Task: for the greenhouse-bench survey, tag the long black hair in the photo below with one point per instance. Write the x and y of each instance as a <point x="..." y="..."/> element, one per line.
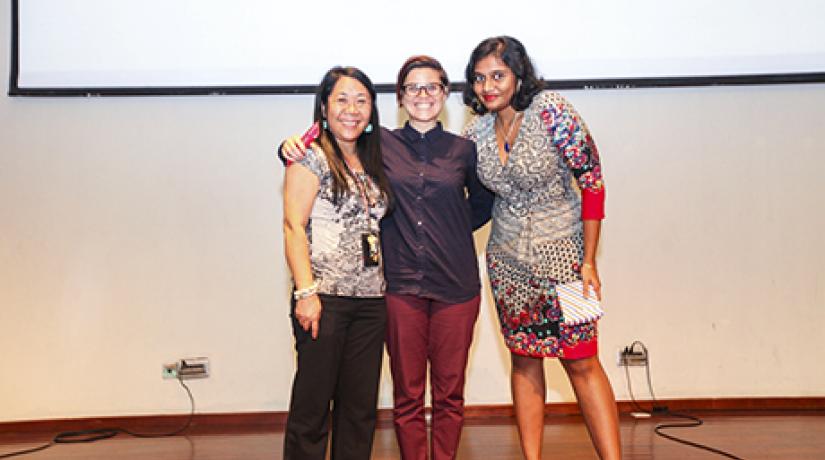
<point x="368" y="145"/>
<point x="512" y="53"/>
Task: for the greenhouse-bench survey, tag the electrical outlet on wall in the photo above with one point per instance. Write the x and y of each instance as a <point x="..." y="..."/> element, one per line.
<point x="629" y="356"/>
<point x="187" y="368"/>
<point x="194" y="368"/>
<point x="169" y="371"/>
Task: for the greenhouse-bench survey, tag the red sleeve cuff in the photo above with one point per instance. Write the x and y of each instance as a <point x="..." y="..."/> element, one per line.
<point x="593" y="204"/>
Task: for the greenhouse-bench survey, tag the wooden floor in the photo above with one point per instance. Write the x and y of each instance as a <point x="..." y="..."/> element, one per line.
<point x="772" y="436"/>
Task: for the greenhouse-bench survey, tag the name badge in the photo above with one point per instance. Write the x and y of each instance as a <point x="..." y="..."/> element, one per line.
<point x="371" y="247"/>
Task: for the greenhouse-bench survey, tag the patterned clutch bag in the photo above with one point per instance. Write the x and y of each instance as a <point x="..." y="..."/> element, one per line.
<point x="575" y="309"/>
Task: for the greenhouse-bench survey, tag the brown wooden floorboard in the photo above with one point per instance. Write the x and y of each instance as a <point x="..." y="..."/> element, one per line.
<point x="772" y="436"/>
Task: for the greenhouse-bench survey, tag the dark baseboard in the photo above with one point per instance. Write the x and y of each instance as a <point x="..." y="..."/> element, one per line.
<point x="766" y="405"/>
<point x="268" y="421"/>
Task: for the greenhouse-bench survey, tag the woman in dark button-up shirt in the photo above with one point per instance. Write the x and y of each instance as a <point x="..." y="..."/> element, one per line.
<point x="430" y="262"/>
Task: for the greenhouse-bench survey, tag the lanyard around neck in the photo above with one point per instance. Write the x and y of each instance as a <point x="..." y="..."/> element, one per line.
<point x="361" y="184"/>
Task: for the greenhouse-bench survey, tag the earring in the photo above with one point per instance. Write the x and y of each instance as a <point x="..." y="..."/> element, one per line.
<point x="368" y="129"/>
<point x="324" y="123"/>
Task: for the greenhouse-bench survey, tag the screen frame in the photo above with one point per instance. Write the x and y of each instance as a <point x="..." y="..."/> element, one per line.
<point x="569" y="84"/>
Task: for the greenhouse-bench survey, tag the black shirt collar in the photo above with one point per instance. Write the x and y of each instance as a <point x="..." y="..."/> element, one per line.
<point x="412" y="134"/>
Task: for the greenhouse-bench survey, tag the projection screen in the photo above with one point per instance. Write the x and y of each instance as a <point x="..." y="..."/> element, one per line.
<point x="146" y="47"/>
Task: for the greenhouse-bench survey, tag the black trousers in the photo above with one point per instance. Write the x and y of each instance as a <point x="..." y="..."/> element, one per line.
<point x="342" y="366"/>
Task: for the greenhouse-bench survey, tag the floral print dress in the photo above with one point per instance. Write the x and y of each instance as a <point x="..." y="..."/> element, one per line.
<point x="536" y="240"/>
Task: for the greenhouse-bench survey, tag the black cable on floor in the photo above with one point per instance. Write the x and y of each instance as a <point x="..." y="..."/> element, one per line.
<point x="27" y="451"/>
<point x="663" y="411"/>
<point x="84" y="436"/>
<point x="694" y="422"/>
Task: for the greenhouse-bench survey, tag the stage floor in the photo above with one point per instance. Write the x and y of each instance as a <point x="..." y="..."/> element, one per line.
<point x="752" y="436"/>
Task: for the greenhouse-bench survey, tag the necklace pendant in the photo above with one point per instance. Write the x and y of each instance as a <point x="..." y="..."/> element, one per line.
<point x="506" y="147"/>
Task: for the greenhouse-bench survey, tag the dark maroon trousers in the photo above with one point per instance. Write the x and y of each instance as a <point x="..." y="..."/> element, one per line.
<point x="419" y="331"/>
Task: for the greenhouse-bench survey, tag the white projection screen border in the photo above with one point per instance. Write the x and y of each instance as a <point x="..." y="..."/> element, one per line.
<point x="180" y="47"/>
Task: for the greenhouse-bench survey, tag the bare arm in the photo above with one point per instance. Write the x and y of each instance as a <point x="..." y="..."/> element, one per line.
<point x="300" y="190"/>
<point x="590" y="273"/>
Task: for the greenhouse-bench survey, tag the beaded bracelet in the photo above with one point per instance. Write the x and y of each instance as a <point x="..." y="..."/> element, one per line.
<point x="308" y="291"/>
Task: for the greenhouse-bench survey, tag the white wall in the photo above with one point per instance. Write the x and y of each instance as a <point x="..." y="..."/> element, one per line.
<point x="135" y="231"/>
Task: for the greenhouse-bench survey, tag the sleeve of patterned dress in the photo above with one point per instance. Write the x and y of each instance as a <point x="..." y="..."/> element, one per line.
<point x="572" y="139"/>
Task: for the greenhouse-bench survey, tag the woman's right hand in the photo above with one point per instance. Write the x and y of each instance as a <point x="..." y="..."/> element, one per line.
<point x="293" y="149"/>
<point x="308" y="314"/>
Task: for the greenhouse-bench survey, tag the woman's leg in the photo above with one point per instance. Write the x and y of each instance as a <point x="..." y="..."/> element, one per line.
<point x="356" y="391"/>
<point x="451" y="332"/>
<point x="407" y="335"/>
<point x="597" y="403"/>
<point x="529" y="394"/>
<point x="318" y="360"/>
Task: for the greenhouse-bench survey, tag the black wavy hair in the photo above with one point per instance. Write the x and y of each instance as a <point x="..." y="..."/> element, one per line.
<point x="418" y="62"/>
<point x="512" y="53"/>
<point x="368" y="145"/>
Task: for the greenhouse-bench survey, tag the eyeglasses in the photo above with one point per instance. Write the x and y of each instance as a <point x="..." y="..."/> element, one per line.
<point x="432" y="89"/>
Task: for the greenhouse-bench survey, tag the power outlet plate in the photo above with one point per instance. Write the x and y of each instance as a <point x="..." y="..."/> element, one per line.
<point x="627" y="357"/>
<point x="186" y="368"/>
<point x="194" y="368"/>
<point x="169" y="371"/>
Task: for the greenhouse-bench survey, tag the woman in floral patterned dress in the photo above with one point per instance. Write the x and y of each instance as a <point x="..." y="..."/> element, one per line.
<point x="532" y="146"/>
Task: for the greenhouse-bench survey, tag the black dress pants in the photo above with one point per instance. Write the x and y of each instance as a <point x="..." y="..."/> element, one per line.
<point x="342" y="367"/>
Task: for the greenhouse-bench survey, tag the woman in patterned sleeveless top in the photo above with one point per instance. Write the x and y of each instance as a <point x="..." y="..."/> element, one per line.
<point x="334" y="199"/>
